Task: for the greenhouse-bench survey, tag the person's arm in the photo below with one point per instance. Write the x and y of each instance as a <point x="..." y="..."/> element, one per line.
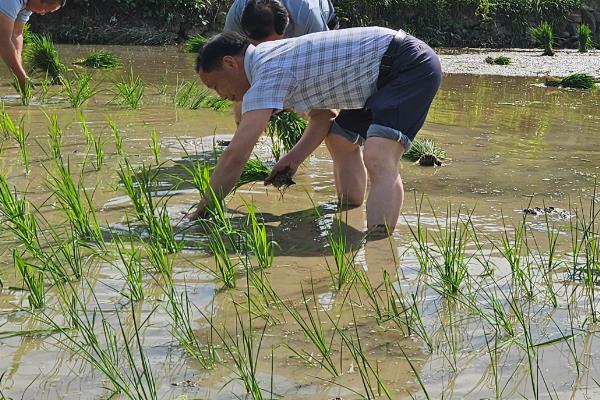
<point x="233" y="20"/>
<point x="17" y="38"/>
<point x="231" y="163"/>
<point x="314" y="21"/>
<point x="8" y="51"/>
<point x="319" y="124"/>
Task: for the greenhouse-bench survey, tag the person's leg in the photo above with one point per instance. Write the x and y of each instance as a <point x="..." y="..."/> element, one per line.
<point x="386" y="193"/>
<point x="348" y="169"/>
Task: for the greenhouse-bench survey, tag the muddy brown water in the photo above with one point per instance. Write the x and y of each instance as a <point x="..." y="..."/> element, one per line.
<point x="510" y="143"/>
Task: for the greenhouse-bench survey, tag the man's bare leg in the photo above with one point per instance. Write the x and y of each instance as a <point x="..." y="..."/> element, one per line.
<point x="349" y="170"/>
<point x="386" y="193"/>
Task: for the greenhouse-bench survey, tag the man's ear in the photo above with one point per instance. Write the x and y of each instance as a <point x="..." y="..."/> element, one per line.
<point x="230" y="62"/>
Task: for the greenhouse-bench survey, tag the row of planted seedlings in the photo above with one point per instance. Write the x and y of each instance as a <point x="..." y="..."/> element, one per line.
<point x="513" y="287"/>
<point x="77" y="86"/>
<point x="59" y="261"/>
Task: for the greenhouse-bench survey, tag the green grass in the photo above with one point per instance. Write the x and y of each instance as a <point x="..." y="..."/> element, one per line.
<point x="41" y="55"/>
<point x="584" y="36"/>
<point x="100" y="59"/>
<point x="195" y="43"/>
<point x="421" y="147"/>
<point x="543" y="34"/>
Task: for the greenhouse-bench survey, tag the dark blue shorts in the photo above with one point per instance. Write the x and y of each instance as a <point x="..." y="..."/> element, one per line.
<point x="399" y="107"/>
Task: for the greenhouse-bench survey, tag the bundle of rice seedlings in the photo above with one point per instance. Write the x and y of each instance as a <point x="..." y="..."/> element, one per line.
<point x="100" y="59"/>
<point x="254" y="171"/>
<point x="501" y="60"/>
<point x="26" y="34"/>
<point x="544" y="35"/>
<point x="195" y="43"/>
<point x="574" y="81"/>
<point x="421" y="147"/>
<point x="288" y="127"/>
<point x="41" y="55"/>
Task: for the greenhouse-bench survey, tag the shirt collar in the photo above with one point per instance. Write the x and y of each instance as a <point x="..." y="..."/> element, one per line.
<point x="248" y="62"/>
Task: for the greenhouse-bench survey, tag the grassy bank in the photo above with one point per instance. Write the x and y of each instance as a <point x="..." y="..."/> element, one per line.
<point x="440" y="22"/>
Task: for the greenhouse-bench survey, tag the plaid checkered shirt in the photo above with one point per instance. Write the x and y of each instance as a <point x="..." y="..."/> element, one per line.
<point x="335" y="69"/>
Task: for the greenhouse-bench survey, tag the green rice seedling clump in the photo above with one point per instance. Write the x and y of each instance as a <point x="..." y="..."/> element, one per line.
<point x="500" y="60"/>
<point x="100" y="59"/>
<point x="41" y="55"/>
<point x="34" y="281"/>
<point x="26" y="34"/>
<point x="130" y="91"/>
<point x="544" y="35"/>
<point x="195" y="43"/>
<point x="584" y="36"/>
<point x="189" y="95"/>
<point x="25" y="91"/>
<point x="79" y="90"/>
<point x="285" y="130"/>
<point x="421" y="147"/>
<point x="574" y="81"/>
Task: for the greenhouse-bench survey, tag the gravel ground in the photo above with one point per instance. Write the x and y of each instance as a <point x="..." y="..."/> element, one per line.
<point x="524" y="62"/>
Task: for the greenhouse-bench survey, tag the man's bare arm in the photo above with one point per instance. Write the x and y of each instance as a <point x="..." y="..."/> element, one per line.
<point x="231" y="162"/>
<point x="319" y="124"/>
<point x="9" y="53"/>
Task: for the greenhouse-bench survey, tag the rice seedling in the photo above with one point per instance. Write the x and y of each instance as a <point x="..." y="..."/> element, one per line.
<point x="195" y="43"/>
<point x="179" y="310"/>
<point x="422" y="147"/>
<point x="132" y="268"/>
<point x="117" y="135"/>
<point x="140" y="189"/>
<point x="16" y="215"/>
<point x="163" y="84"/>
<point x="285" y="128"/>
<point x="17" y="132"/>
<point x="313" y="329"/>
<point x="584" y="36"/>
<point x="26" y="34"/>
<point x="543" y="34"/>
<point x="41" y="55"/>
<point x="99" y="151"/>
<point x="258" y="240"/>
<point x="159" y="259"/>
<point x="55" y="135"/>
<point x="343" y="257"/>
<point x="130" y="91"/>
<point x="225" y="265"/>
<point x="116" y="354"/>
<point x="216" y="103"/>
<point x="100" y="59"/>
<point x="75" y="201"/>
<point x="500" y="60"/>
<point x="24" y="91"/>
<point x="514" y="251"/>
<point x="574" y="81"/>
<point x="189" y="95"/>
<point x="155" y="146"/>
<point x="79" y="90"/>
<point x="366" y="371"/>
<point x="449" y="258"/>
<point x="33" y="279"/>
<point x="254" y="171"/>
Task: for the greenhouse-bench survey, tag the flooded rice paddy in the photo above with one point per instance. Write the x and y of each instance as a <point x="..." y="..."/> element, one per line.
<point x="470" y="298"/>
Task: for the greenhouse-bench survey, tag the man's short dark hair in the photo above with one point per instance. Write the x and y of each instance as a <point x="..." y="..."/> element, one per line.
<point x="262" y="18"/>
<point x="210" y="57"/>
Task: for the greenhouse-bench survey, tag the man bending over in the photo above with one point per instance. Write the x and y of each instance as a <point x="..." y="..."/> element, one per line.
<point x="383" y="81"/>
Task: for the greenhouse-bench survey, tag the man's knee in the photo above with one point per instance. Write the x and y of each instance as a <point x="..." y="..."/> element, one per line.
<point x="378" y="164"/>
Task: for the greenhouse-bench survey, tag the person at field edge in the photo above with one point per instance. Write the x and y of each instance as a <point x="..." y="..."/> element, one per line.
<point x="13" y="16"/>
<point x="382" y="80"/>
<point x="266" y="20"/>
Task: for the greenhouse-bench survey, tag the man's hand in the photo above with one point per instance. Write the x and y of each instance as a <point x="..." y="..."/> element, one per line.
<point x="200" y="212"/>
<point x="287" y="163"/>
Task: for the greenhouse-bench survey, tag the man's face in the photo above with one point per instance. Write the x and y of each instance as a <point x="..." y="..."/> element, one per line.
<point x="230" y="81"/>
<point x="42" y="7"/>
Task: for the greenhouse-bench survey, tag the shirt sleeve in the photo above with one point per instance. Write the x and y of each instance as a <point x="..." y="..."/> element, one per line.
<point x="23" y="16"/>
<point x="10" y="8"/>
<point x="268" y="92"/>
<point x="233" y="21"/>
